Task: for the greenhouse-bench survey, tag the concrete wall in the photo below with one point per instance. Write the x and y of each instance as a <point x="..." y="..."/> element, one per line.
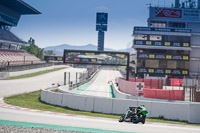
<point x="119" y="94"/>
<point x="194" y="109"/>
<point x="174" y="111"/>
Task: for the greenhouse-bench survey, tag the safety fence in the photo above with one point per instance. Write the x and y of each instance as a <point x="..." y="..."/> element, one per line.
<point x="175" y="82"/>
<point x="177" y="95"/>
<point x="149" y="83"/>
<point x="21" y="67"/>
<point x="153" y="88"/>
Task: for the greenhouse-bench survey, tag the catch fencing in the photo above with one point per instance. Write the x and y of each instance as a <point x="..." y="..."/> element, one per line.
<point x="153" y="88"/>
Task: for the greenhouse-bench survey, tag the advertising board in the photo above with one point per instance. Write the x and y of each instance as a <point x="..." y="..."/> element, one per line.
<point x="161" y="43"/>
<point x="162" y="56"/>
<point x="174" y="13"/>
<point x="162" y="71"/>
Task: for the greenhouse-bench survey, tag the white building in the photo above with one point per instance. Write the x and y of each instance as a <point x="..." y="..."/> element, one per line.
<point x="170" y="45"/>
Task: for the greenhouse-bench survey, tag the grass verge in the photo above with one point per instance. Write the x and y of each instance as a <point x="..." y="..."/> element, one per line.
<point x="33" y="74"/>
<point x="32" y="100"/>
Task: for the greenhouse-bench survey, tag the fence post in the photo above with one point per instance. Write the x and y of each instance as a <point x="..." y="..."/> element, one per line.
<point x="195" y="94"/>
<point x="64" y="78"/>
<point x="76" y="77"/>
<point x="190" y="93"/>
<point x="184" y="93"/>
<point x="68" y="77"/>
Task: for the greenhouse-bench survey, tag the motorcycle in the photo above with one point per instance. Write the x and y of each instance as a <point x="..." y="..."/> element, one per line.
<point x="134" y="115"/>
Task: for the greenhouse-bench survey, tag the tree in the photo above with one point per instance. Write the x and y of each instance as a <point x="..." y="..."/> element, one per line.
<point x="34" y="49"/>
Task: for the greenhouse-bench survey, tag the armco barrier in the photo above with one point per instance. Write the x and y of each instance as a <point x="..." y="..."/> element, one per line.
<point x="169" y="110"/>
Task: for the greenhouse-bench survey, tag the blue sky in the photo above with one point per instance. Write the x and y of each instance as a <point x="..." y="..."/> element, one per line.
<point x="73" y="21"/>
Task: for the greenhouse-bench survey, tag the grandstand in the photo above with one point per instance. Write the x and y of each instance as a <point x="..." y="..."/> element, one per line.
<point x="10" y="44"/>
<point x="14" y="57"/>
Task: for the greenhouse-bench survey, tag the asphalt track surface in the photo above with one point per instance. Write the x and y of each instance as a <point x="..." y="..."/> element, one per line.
<point x="90" y="123"/>
<point x="16" y="117"/>
<point x="101" y="85"/>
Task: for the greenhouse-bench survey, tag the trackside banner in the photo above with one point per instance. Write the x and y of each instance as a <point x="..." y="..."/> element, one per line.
<point x="175" y="13"/>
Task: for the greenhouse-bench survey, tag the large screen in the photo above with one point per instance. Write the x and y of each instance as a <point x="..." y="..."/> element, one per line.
<point x="96" y="57"/>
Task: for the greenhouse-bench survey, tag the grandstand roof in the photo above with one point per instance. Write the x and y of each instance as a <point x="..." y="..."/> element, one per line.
<point x="19" y="6"/>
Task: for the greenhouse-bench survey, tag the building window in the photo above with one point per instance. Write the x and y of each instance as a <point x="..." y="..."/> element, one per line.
<point x="176" y="24"/>
<point x="183" y="39"/>
<point x="158" y="24"/>
<point x="140" y="63"/>
<point x="140" y="37"/>
<point x="13" y="46"/>
<point x="155" y="38"/>
<point x="5" y="46"/>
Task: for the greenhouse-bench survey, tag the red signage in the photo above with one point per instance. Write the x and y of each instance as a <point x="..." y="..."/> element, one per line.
<point x="77" y="59"/>
<point x="168" y="13"/>
<point x="66" y="59"/>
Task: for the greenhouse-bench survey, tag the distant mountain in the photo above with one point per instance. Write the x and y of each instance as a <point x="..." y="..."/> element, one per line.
<point x="130" y="50"/>
<point x="60" y="48"/>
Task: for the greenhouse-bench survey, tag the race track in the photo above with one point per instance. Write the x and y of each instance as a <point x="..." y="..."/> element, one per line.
<point x="99" y="87"/>
<point x="91" y="122"/>
<point x="101" y="84"/>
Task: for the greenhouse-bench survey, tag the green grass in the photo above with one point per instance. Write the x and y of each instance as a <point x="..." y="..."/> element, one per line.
<point x="32" y="100"/>
<point x="33" y="74"/>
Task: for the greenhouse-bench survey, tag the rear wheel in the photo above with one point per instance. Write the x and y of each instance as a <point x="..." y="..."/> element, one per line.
<point x="141" y="118"/>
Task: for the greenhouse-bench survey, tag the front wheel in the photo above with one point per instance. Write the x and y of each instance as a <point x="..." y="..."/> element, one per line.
<point x="143" y="120"/>
<point x="121" y="119"/>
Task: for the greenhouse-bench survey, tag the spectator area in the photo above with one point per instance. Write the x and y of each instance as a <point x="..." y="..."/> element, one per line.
<point x="15" y="57"/>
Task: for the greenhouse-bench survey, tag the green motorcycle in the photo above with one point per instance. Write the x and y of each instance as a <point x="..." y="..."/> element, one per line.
<point x="135" y="115"/>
